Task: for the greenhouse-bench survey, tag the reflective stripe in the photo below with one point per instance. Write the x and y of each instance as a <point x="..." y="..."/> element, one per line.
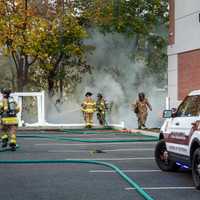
<point x="88" y="110"/>
<point x="9" y="121"/>
<point x="13" y="141"/>
<point x="5" y="136"/>
<point x="90" y="124"/>
<point x="13" y="136"/>
<point x="89" y="104"/>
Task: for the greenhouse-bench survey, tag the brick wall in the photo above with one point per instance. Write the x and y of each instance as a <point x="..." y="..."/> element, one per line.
<point x="188" y="72"/>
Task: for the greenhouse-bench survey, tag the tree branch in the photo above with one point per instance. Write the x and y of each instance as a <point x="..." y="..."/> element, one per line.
<point x="15" y="60"/>
<point x="56" y="64"/>
<point x="33" y="60"/>
<point x="58" y="61"/>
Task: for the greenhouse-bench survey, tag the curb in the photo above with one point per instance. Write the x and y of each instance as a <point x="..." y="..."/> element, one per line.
<point x="145" y="132"/>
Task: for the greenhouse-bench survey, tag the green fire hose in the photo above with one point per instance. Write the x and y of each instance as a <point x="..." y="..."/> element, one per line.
<point x="59" y="138"/>
<point x="114" y="167"/>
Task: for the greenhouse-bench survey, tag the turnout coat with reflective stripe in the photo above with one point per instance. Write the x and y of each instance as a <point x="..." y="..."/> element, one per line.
<point x="5" y="118"/>
<point x="89" y="106"/>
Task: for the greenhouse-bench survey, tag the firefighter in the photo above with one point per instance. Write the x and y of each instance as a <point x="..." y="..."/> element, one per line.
<point x="141" y="110"/>
<point x="88" y="109"/>
<point x="101" y="107"/>
<point x="9" y="109"/>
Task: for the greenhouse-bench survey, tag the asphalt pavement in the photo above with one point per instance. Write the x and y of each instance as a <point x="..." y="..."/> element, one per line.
<point x="89" y="181"/>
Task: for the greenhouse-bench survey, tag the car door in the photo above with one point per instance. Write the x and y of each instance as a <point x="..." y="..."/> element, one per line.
<point x="180" y="128"/>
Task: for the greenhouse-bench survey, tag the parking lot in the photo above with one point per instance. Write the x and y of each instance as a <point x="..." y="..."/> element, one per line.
<point x="84" y="181"/>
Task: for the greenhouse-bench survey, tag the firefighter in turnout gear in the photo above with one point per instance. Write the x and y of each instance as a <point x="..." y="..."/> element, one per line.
<point x="88" y="109"/>
<point x="9" y="110"/>
<point x="141" y="110"/>
<point x="101" y="109"/>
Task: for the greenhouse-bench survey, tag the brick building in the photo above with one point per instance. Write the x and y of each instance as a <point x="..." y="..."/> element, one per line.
<point x="183" y="49"/>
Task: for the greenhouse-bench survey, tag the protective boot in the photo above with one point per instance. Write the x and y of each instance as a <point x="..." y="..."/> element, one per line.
<point x="4" y="140"/>
<point x="143" y="127"/>
<point x="13" y="142"/>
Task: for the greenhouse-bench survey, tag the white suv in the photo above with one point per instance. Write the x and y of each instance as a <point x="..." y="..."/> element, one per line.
<point x="179" y="140"/>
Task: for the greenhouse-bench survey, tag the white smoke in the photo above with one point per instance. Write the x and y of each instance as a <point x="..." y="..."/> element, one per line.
<point x="116" y="76"/>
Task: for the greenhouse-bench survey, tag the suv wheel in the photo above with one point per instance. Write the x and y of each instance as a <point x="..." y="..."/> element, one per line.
<point x="162" y="157"/>
<point x="196" y="168"/>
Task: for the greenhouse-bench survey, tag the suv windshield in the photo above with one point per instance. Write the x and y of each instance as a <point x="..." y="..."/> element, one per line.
<point x="189" y="107"/>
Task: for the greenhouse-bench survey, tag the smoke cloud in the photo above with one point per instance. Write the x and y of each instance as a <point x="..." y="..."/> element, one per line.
<point x="118" y="78"/>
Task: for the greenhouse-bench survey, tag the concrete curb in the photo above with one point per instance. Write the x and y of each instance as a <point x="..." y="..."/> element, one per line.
<point x="145" y="132"/>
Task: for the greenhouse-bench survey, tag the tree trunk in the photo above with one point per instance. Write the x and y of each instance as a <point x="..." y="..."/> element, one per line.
<point x="52" y="74"/>
<point x="22" y="81"/>
<point x="20" y="87"/>
<point x="61" y="88"/>
<point x="22" y="74"/>
<point x="51" y="83"/>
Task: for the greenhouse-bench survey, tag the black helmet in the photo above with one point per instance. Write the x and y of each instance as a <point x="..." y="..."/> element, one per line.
<point x="99" y="95"/>
<point x="88" y="94"/>
<point x="6" y="92"/>
<point x="141" y="95"/>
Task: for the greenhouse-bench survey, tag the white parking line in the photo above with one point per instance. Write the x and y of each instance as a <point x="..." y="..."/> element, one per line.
<point x="163" y="188"/>
<point x="68" y="151"/>
<point x="107" y="138"/>
<point x="134" y="171"/>
<point x="91" y="144"/>
<point x="138" y="158"/>
<point x="106" y="150"/>
<point x="132" y="149"/>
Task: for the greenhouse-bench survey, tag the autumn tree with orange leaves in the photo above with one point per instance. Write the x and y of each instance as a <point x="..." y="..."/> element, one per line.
<point x="33" y="32"/>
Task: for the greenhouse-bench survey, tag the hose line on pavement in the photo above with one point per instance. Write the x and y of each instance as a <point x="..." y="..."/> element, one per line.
<point x="59" y="138"/>
<point x="99" y="132"/>
<point x="114" y="167"/>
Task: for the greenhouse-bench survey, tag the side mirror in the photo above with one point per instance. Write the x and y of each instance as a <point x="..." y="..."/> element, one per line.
<point x="174" y="110"/>
<point x="167" y="114"/>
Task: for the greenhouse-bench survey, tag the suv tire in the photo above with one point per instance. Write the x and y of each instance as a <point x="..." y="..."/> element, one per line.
<point x="162" y="157"/>
<point x="196" y="168"/>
